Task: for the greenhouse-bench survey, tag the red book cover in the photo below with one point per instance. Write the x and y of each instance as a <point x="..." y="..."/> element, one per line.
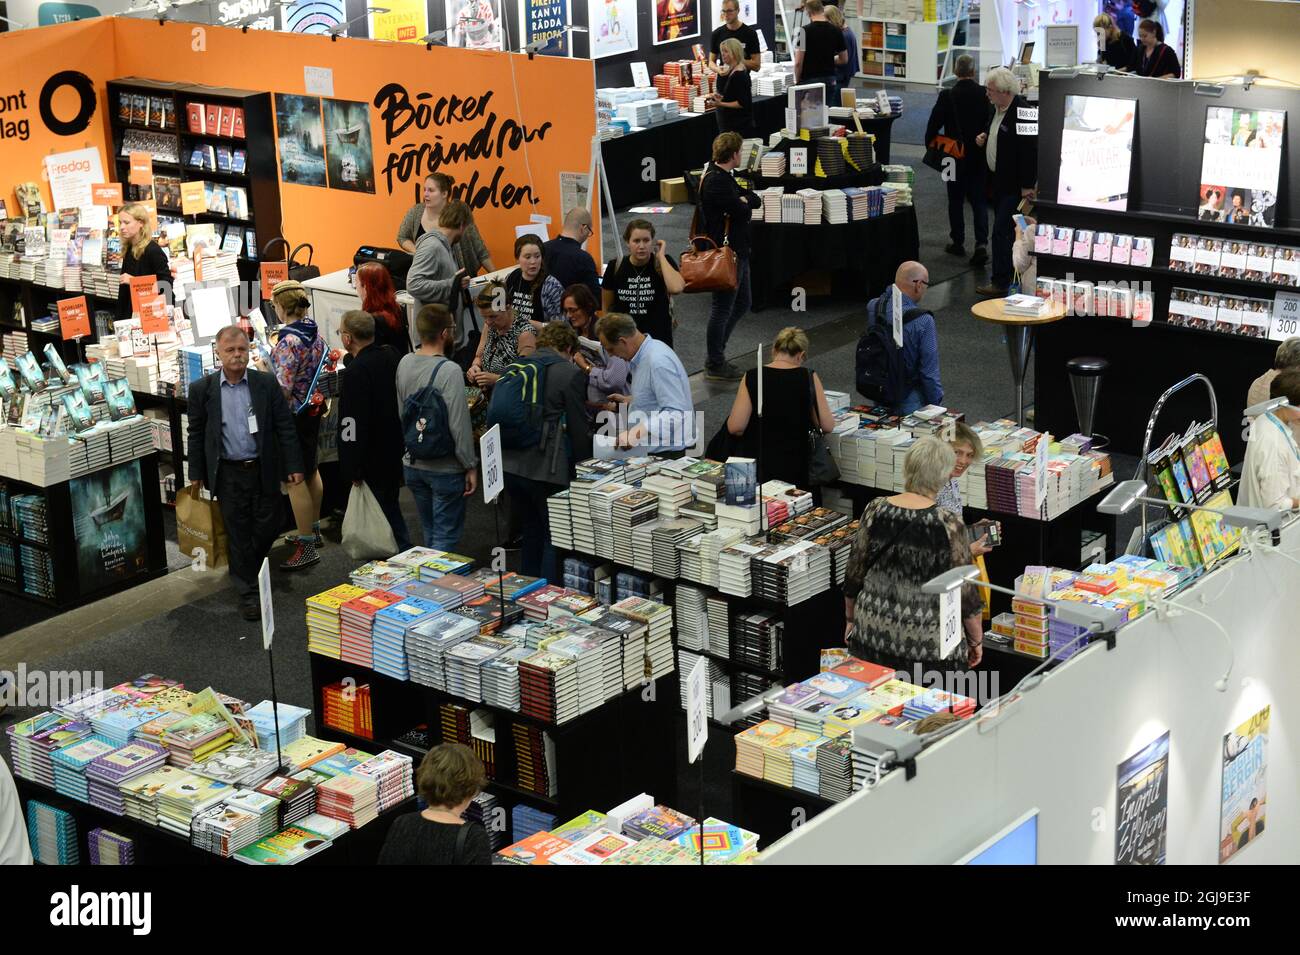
<point x="195" y="111"/>
<point x="211" y="117"/>
<point x="226" y="121"/>
<point x="237" y="123"/>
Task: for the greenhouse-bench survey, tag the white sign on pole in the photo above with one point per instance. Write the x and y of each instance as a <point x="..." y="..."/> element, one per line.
<point x="762" y="42"/>
<point x="1286" y="316"/>
<point x="640" y="76"/>
<point x="1041" y="452"/>
<point x="697" y="712"/>
<point x="264" y="596"/>
<point x="494" y="475"/>
<point x="949" y="621"/>
<point x="896" y="309"/>
<point x="798" y="161"/>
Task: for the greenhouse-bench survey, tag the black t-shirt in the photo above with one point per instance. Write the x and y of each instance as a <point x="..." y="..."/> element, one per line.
<point x="746" y="35"/>
<point x="414" y="840"/>
<point x="822" y="42"/>
<point x="520" y="296"/>
<point x="639" y="291"/>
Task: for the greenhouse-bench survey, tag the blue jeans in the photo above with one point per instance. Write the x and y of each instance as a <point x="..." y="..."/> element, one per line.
<point x="388" y="503"/>
<point x="725" y="310"/>
<point x="1004" y="234"/>
<point x="968" y="187"/>
<point x="910" y="403"/>
<point x="440" y="502"/>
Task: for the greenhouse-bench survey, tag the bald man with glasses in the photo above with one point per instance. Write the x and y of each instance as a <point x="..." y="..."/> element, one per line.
<point x="565" y="257"/>
<point x="921" y="384"/>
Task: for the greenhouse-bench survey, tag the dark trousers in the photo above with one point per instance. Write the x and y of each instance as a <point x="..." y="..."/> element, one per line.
<point x="968" y="187"/>
<point x="387" y="498"/>
<point x="528" y="502"/>
<point x="1004" y="235"/>
<point x="250" y="516"/>
<point x="725" y="311"/>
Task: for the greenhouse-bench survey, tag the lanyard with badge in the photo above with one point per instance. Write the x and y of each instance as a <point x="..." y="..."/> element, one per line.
<point x="252" y="420"/>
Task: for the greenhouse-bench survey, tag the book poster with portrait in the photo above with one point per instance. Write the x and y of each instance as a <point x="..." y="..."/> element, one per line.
<point x="1142" y="806"/>
<point x="350" y="161"/>
<point x="109" y="526"/>
<point x="676" y="20"/>
<point x="611" y="27"/>
<point x="1244" y="797"/>
<point x="474" y="24"/>
<point x="1239" y="165"/>
<point x="1096" y="152"/>
<point x="300" y="137"/>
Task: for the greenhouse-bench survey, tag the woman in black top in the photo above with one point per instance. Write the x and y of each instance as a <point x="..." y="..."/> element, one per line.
<point x="1152" y="57"/>
<point x="726" y="208"/>
<point x="1118" y="48"/>
<point x="530" y="292"/>
<point x="449" y="778"/>
<point x="793" y="404"/>
<point x="734" y="100"/>
<point x="643" y="282"/>
<point x="141" y="255"/>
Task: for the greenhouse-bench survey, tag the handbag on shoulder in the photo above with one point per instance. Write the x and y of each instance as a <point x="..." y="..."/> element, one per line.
<point x="712" y="269"/>
<point x="822" y="469"/>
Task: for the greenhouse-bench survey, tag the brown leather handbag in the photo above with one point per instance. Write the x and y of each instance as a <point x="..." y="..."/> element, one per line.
<point x="713" y="269"/>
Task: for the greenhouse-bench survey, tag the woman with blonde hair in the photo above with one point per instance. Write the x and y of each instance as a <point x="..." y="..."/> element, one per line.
<point x="734" y="101"/>
<point x="844" y="72"/>
<point x="1114" y="48"/>
<point x="141" y="255"/>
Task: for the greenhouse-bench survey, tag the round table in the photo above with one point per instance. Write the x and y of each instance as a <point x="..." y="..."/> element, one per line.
<point x="1019" y="330"/>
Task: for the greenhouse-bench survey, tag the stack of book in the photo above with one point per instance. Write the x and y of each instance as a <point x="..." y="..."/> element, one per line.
<point x="756" y="640"/>
<point x="196" y="738"/>
<point x="391" y="624"/>
<point x="490" y="613"/>
<point x="1027" y="306"/>
<point x="381" y="575"/>
<point x="630" y="509"/>
<point x="791" y="573"/>
<point x="356" y="623"/>
<point x="734" y="573"/>
<point x="347" y="708"/>
<point x="180" y="801"/>
<point x="323" y="628"/>
<point x="560" y="520"/>
<point x="393" y="775"/>
<point x="658" y="620"/>
<point x="444" y="563"/>
<point x="140" y="795"/>
<point x="463" y="663"/>
<point x="427" y="644"/>
<point x="535" y="759"/>
<point x="70" y="764"/>
<point x="53" y="835"/>
<point x="296" y="796"/>
<point x="349" y="798"/>
<point x="548" y="686"/>
<point x="239" y="765"/>
<point x="292" y="723"/>
<point x="500" y="678"/>
<point x="835" y="768"/>
<point x="665" y="537"/>
<point x="108" y="848"/>
<point x="106" y="773"/>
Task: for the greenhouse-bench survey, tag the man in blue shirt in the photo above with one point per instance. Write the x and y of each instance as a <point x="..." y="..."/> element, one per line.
<point x="920" y="340"/>
<point x="661" y="419"/>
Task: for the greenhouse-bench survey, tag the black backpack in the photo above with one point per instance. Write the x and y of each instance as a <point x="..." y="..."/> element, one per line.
<point x="881" y="377"/>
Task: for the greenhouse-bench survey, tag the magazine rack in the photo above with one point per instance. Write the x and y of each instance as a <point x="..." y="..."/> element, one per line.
<point x="1143" y="472"/>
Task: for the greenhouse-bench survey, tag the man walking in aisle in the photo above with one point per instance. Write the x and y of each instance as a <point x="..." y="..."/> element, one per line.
<point x="242" y="444"/>
<point x="370" y="429"/>
<point x="726" y="208"/>
<point x="661" y="419"/>
<point x="566" y="259"/>
<point x="920" y="351"/>
<point x="431" y="395"/>
<point x="961" y="113"/>
<point x="1010" y="144"/>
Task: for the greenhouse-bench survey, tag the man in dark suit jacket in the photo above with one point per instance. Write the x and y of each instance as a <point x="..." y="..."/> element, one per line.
<point x="242" y="444"/>
<point x="565" y="257"/>
<point x="1010" y="144"/>
<point x="371" y="444"/>
<point x="962" y="112"/>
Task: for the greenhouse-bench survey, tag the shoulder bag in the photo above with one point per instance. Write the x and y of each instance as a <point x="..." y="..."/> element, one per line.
<point x="822" y="469"/>
<point x="941" y="148"/>
<point x="712" y="269"/>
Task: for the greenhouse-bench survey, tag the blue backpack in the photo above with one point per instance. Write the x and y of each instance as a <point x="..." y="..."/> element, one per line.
<point x="518" y="402"/>
<point x="426" y="426"/>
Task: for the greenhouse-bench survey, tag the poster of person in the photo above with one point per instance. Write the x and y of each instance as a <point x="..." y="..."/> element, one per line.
<point x="1245" y="761"/>
<point x="1239" y="165"/>
<point x="474" y="24"/>
<point x="1096" y="152"/>
<point x="676" y="20"/>
<point x="313" y="16"/>
<point x="544" y="21"/>
<point x="1142" y="806"/>
<point x="350" y="161"/>
<point x="301" y="139"/>
<point x="108" y="524"/>
<point x="809" y="105"/>
<point x="400" y="21"/>
<point x="611" y="27"/>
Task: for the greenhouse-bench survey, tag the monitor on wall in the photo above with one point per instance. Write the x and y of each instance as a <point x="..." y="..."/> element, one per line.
<point x="1017" y="844"/>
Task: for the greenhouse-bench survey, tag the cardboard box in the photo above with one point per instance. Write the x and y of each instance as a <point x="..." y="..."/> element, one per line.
<point x="673" y="190"/>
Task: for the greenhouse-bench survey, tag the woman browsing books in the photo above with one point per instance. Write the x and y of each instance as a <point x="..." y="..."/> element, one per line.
<point x="141" y="255"/>
<point x="449" y="778"/>
<point x="471" y="252"/>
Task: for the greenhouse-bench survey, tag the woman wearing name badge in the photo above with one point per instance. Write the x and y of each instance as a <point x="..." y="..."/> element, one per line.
<point x="470" y="252"/>
<point x="531" y="293"/>
<point x="642" y="282"/>
<point x="141" y="255"/>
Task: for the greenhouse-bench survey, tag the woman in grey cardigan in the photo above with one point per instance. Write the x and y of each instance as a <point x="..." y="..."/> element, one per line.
<point x="471" y="253"/>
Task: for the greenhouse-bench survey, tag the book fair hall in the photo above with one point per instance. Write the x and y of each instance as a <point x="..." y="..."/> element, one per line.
<point x="700" y="432"/>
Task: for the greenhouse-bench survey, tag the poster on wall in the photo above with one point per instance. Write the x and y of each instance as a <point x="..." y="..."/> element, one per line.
<point x="1142" y="806"/>
<point x="301" y="139"/>
<point x="71" y="175"/>
<point x="108" y="523"/>
<point x="314" y="16"/>
<point x="575" y="191"/>
<point x="403" y="21"/>
<point x="544" y="21"/>
<point x="1245" y="760"/>
<point x="1239" y="165"/>
<point x="1096" y="152"/>
<point x="474" y="24"/>
<point x="676" y="20"/>
<point x="612" y="28"/>
<point x="350" y="160"/>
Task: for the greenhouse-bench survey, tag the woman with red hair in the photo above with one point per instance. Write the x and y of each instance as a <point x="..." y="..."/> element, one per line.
<point x="379" y="298"/>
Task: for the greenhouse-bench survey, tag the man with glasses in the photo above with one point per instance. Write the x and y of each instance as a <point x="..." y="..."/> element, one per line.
<point x="1010" y="144"/>
<point x="565" y="257"/>
<point x="920" y="352"/>
<point x="734" y="28"/>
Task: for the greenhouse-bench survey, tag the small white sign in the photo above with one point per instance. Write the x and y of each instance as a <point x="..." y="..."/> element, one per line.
<point x="318" y="80"/>
<point x="762" y="42"/>
<point x="798" y="161"/>
<point x="758" y="364"/>
<point x="896" y="310"/>
<point x="640" y="76"/>
<point x="1027" y="114"/>
<point x="1062" y="45"/>
<point x="1026" y="129"/>
<point x="1286" y="316"/>
<point x="494" y="475"/>
<point x="532" y="228"/>
<point x="1041" y="452"/>
<point x="882" y="102"/>
<point x="264" y="596"/>
<point x="949" y="622"/>
<point x="697" y="711"/>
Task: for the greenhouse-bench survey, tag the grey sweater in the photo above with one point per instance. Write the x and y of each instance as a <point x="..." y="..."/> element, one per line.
<point x="471" y="253"/>
<point x="432" y="270"/>
<point x="414" y="372"/>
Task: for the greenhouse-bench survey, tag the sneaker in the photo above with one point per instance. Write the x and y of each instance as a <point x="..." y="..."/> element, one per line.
<point x="316" y="539"/>
<point x="724" y="372"/>
<point x="955" y="248"/>
<point x="981" y="255"/>
<point x="991" y="291"/>
<point x="304" y="555"/>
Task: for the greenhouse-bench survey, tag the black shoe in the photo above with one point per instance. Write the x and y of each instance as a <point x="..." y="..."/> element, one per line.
<point x="250" y="612"/>
<point x="981" y="255"/>
<point x="724" y="372"/>
<point x="955" y="248"/>
<point x="991" y="291"/>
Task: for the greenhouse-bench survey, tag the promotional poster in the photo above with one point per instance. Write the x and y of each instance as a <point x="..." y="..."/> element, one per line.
<point x="676" y="20"/>
<point x="1142" y="806"/>
<point x="301" y="139"/>
<point x="611" y="26"/>
<point x="1239" y="165"/>
<point x="545" y="21"/>
<point x="108" y="523"/>
<point x="350" y="161"/>
<point x="402" y="21"/>
<point x="474" y="24"/>
<point x="1096" y="152"/>
<point x="313" y="16"/>
<point x="1245" y="762"/>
